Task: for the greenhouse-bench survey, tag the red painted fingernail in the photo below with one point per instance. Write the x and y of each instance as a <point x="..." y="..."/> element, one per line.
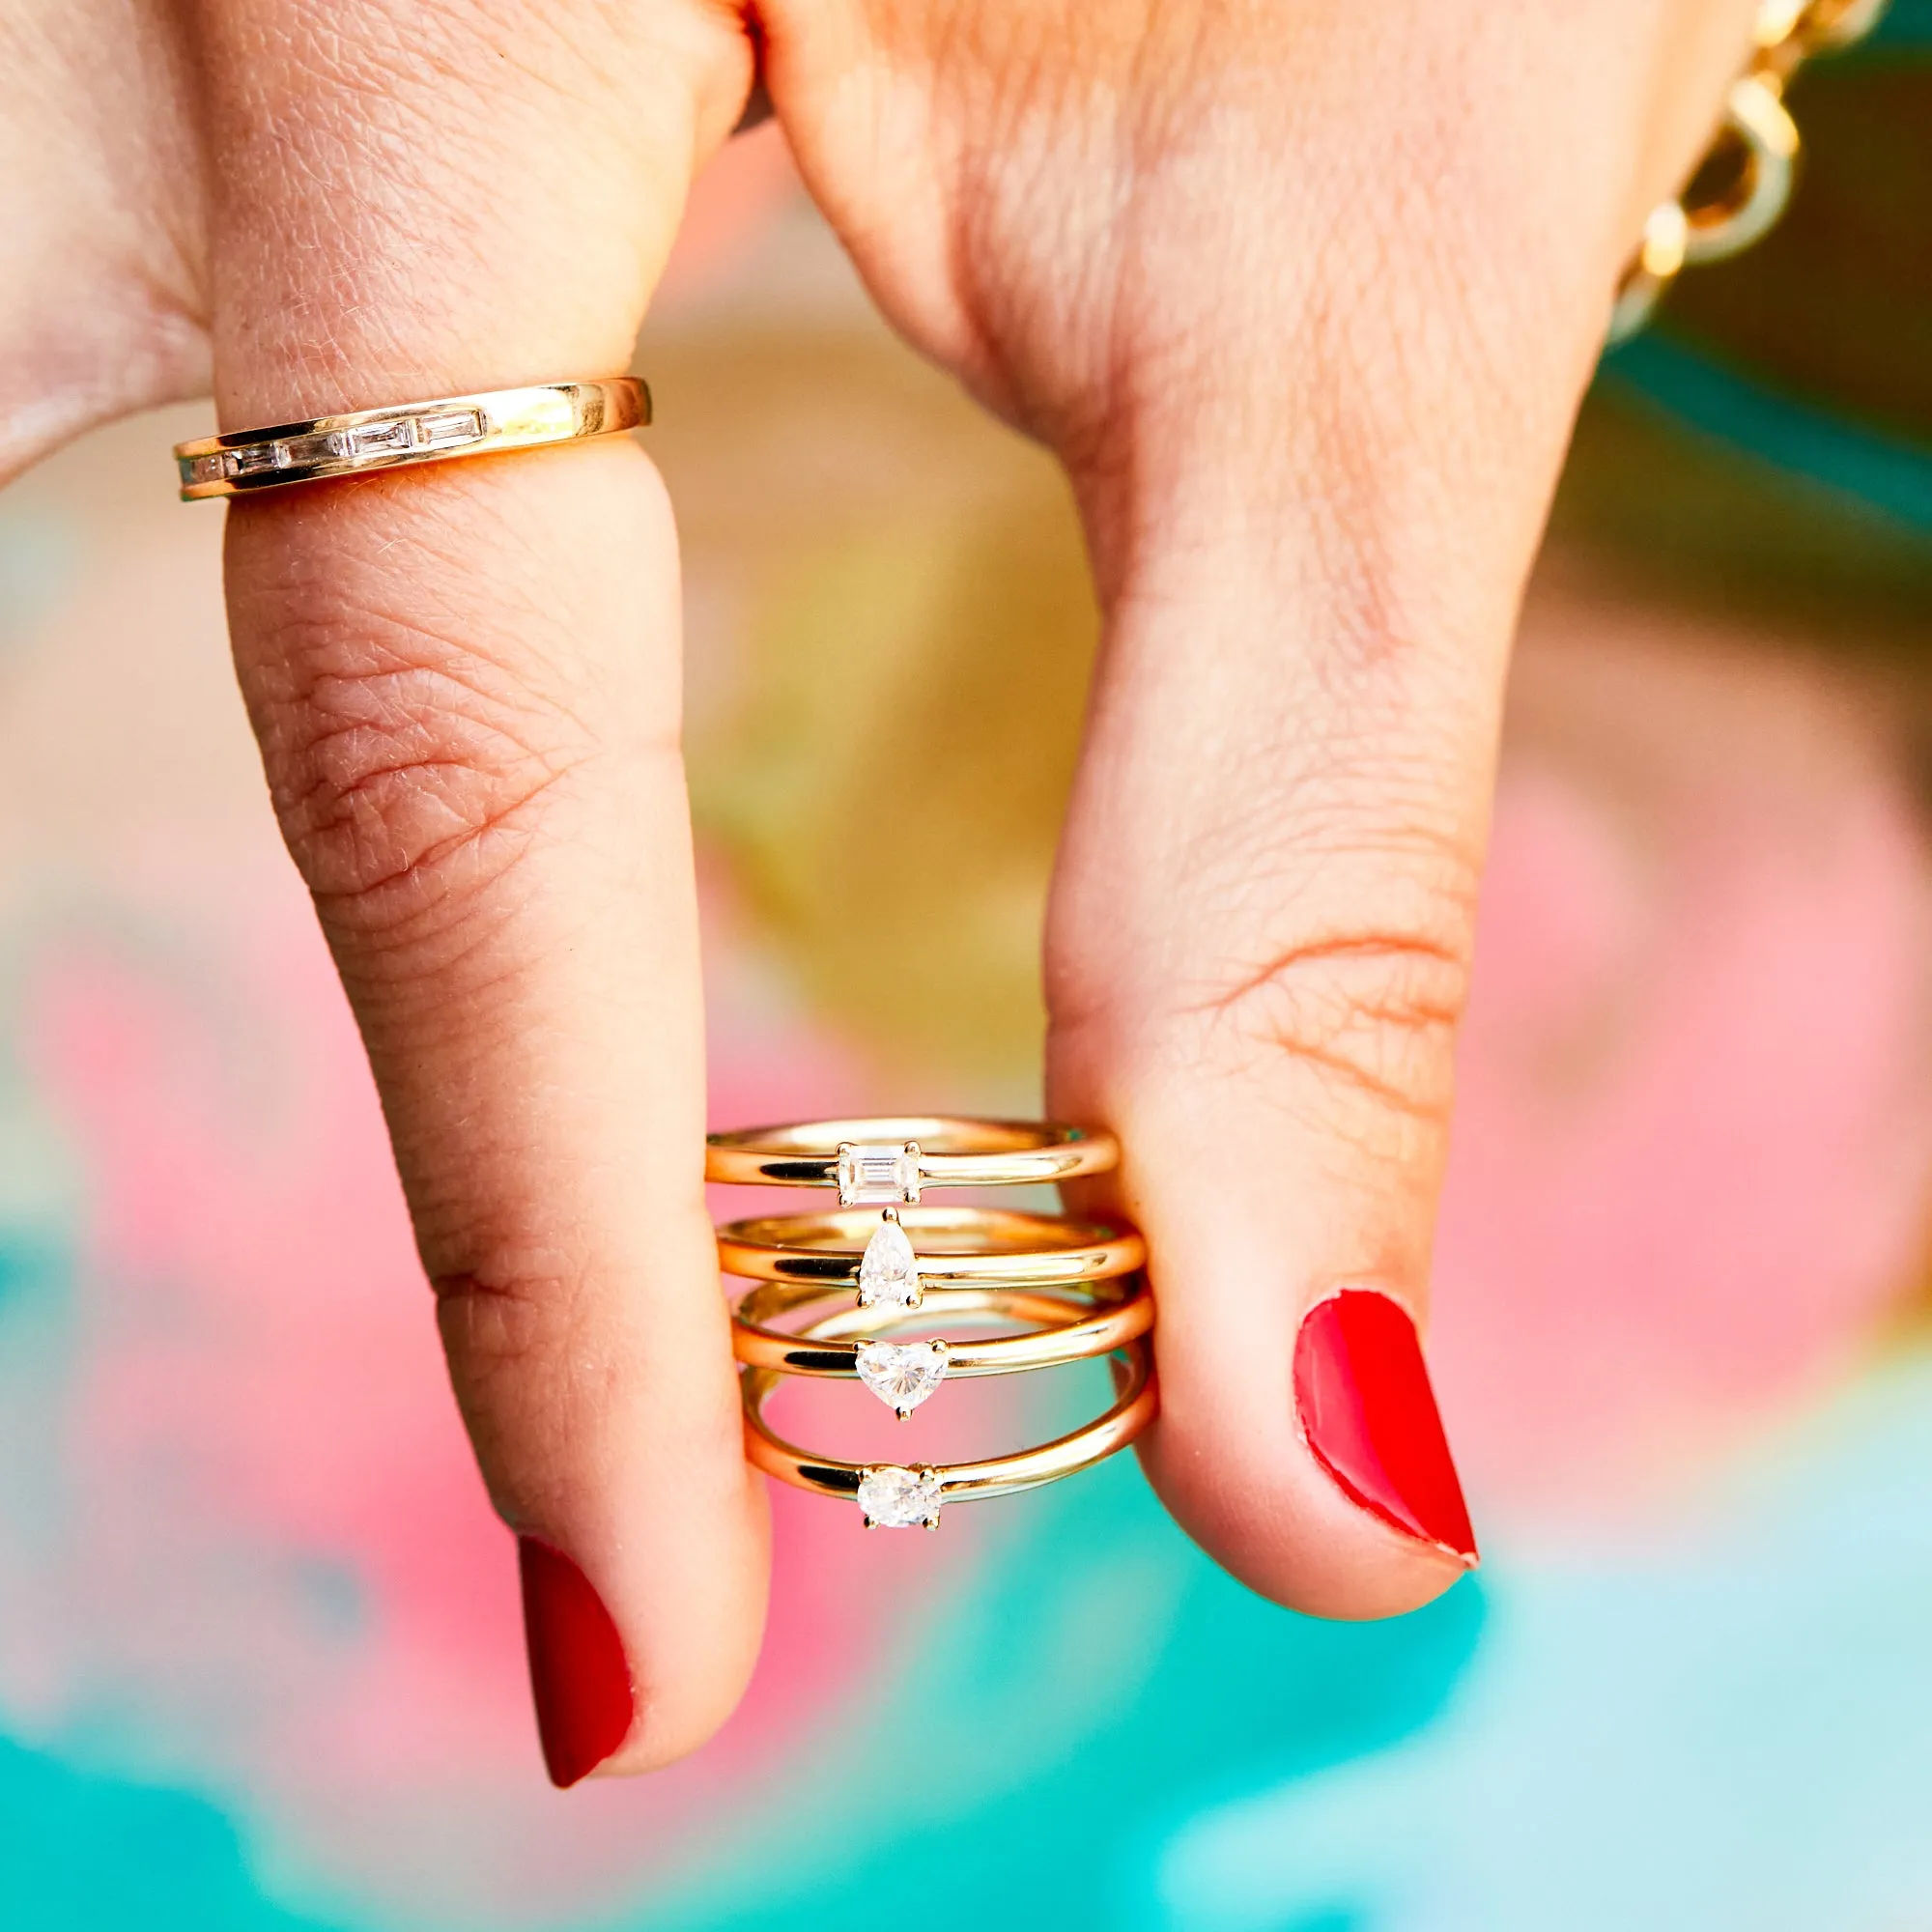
<point x="579" y="1674"/>
<point x="1368" y="1413"/>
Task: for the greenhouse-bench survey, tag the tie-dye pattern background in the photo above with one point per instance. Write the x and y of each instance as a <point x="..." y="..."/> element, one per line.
<point x="260" y="1661"/>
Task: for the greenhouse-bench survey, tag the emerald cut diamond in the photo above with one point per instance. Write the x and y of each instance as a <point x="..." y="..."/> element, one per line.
<point x="873" y="1174"/>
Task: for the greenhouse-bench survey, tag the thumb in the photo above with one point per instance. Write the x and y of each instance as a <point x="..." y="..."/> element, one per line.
<point x="1261" y="938"/>
<point x="1334" y="417"/>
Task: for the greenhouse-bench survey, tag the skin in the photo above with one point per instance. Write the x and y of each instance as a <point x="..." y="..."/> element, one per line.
<point x="1303" y="293"/>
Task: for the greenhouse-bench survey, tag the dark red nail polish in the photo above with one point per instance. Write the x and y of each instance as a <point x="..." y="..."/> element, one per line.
<point x="579" y="1674"/>
<point x="1368" y="1413"/>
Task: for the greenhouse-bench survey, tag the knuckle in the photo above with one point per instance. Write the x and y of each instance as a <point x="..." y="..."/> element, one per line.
<point x="1348" y="1006"/>
<point x="408" y="772"/>
<point x="497" y="1325"/>
<point x="519" y="1350"/>
<point x="1326" y="980"/>
<point x="1363" y="1018"/>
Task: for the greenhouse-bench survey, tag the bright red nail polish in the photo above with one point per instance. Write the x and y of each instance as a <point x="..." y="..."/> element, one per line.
<point x="579" y="1674"/>
<point x="1368" y="1413"/>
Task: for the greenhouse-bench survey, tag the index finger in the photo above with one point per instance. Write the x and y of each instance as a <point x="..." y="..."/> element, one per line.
<point x="465" y="679"/>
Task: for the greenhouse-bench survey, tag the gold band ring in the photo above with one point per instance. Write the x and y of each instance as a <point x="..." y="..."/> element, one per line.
<point x="1069" y="1327"/>
<point x="410" y="432"/>
<point x="984" y="1246"/>
<point x="888" y="1160"/>
<point x="900" y="1495"/>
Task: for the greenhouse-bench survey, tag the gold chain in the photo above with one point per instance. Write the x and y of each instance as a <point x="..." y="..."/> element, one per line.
<point x="1741" y="186"/>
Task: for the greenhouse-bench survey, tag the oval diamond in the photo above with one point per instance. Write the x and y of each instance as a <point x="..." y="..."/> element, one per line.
<point x="903" y="1373"/>
<point x="894" y="1498"/>
<point x="889" y="1271"/>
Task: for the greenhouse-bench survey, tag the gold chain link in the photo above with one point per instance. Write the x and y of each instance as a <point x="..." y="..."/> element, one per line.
<point x="1744" y="181"/>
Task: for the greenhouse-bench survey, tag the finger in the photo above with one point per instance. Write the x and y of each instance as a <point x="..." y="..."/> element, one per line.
<point x="1262" y="927"/>
<point x="466" y="683"/>
<point x="1259" y="951"/>
<point x="100" y="243"/>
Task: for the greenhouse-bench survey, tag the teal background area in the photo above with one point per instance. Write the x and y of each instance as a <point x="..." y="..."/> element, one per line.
<point x="1728" y="1727"/>
<point x="1046" y="1711"/>
<point x="1031" y="1721"/>
<point x="98" y="1855"/>
<point x="1889" y="474"/>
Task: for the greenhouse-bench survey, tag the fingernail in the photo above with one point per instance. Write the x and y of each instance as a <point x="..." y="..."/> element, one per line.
<point x="579" y="1674"/>
<point x="1368" y="1413"/>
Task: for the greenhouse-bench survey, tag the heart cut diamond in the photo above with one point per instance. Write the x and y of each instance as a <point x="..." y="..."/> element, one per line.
<point x="888" y="1270"/>
<point x="903" y="1373"/>
<point x="894" y="1498"/>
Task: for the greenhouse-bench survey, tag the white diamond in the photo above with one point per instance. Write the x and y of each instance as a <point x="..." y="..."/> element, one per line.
<point x="896" y="1498"/>
<point x="871" y="1173"/>
<point x="888" y="1270"/>
<point x="383" y="438"/>
<point x="903" y="1373"/>
<point x="448" y="426"/>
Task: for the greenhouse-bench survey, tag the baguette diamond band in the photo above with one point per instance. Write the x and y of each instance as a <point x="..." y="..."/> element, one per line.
<point x="395" y="438"/>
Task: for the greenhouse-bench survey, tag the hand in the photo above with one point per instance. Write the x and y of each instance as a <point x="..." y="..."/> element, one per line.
<point x="1304" y="296"/>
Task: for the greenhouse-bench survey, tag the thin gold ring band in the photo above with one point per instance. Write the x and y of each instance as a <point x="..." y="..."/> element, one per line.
<point x="890" y="1159"/>
<point x="1068" y="1330"/>
<point x="403" y="434"/>
<point x="901" y="1495"/>
<point x="984" y="1246"/>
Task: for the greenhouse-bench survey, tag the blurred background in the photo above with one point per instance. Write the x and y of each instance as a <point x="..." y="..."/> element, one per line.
<point x="261" y="1665"/>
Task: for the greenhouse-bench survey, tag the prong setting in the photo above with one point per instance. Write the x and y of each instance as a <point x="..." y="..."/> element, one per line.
<point x="888" y="1269"/>
<point x="902" y="1374"/>
<point x="873" y="1172"/>
<point x="897" y="1498"/>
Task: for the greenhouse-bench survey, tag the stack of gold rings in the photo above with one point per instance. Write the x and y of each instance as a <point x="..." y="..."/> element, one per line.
<point x="883" y="1260"/>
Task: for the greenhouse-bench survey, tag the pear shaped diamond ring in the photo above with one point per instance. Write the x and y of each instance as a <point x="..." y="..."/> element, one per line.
<point x="876" y="1252"/>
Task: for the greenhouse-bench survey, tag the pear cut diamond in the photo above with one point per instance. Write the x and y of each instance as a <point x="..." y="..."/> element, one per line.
<point x="903" y="1373"/>
<point x="888" y="1270"/>
<point x="894" y="1498"/>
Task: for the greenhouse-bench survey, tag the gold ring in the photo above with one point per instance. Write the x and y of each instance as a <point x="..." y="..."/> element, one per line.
<point x="898" y="1495"/>
<point x="409" y="433"/>
<point x="873" y="1162"/>
<point x="921" y="1247"/>
<point x="1069" y="1327"/>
